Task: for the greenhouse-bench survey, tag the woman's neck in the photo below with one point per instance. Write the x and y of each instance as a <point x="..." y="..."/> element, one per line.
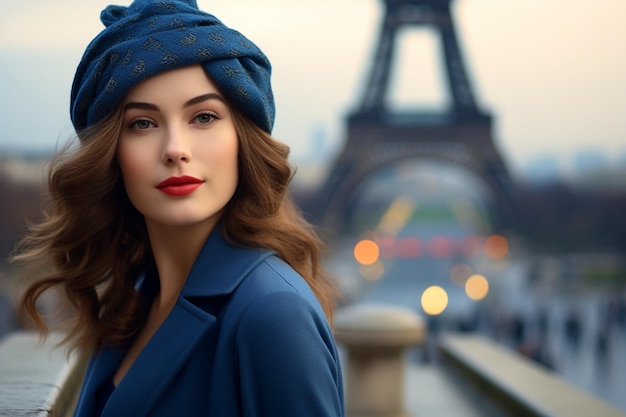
<point x="175" y="250"/>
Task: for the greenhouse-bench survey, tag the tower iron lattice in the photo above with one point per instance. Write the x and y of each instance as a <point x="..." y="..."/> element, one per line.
<point x="378" y="136"/>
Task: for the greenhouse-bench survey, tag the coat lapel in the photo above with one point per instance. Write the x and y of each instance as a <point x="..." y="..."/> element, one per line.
<point x="162" y="357"/>
<point x="99" y="369"/>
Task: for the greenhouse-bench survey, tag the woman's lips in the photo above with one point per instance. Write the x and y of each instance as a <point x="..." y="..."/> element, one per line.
<point x="179" y="186"/>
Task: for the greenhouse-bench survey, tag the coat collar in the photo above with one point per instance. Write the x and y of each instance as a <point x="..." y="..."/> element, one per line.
<point x="220" y="267"/>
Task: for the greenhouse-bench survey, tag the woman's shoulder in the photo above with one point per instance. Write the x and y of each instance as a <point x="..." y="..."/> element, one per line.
<point x="273" y="275"/>
<point x="273" y="287"/>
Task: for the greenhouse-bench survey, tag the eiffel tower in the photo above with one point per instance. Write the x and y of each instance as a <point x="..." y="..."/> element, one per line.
<point x="378" y="136"/>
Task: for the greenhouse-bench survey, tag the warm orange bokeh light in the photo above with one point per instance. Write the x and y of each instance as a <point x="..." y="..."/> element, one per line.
<point x="496" y="246"/>
<point x="366" y="252"/>
<point x="476" y="287"/>
<point x="434" y="300"/>
<point x="459" y="273"/>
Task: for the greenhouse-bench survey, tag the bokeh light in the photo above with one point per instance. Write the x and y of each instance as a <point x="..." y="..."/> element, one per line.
<point x="366" y="252"/>
<point x="386" y="246"/>
<point x="477" y="287"/>
<point x="496" y="246"/>
<point x="397" y="215"/>
<point x="440" y="247"/>
<point x="459" y="274"/>
<point x="471" y="246"/>
<point x="408" y="248"/>
<point x="434" y="300"/>
<point x="372" y="272"/>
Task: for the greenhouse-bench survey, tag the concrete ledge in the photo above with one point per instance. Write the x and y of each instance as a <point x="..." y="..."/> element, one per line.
<point x="518" y="386"/>
<point x="37" y="379"/>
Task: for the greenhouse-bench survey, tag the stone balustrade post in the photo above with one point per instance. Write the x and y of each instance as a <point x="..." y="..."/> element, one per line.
<point x="376" y="337"/>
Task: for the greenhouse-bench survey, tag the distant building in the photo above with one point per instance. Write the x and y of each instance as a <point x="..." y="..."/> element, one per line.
<point x="543" y="168"/>
<point x="24" y="168"/>
<point x="589" y="160"/>
<point x="593" y="170"/>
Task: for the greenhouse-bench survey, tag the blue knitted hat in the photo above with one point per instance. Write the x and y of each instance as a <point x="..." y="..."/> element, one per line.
<point x="150" y="37"/>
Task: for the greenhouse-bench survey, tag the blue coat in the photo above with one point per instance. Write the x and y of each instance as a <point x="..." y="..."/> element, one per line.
<point x="246" y="337"/>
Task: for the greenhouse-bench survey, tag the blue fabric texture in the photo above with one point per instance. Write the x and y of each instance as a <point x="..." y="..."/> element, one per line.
<point x="246" y="338"/>
<point x="150" y="37"/>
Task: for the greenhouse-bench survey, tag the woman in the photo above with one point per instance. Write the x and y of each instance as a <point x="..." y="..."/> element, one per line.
<point x="195" y="285"/>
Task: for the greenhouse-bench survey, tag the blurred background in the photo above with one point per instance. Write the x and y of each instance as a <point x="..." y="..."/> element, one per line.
<point x="417" y="232"/>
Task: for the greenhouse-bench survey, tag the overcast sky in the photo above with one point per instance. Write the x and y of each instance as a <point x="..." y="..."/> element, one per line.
<point x="552" y="72"/>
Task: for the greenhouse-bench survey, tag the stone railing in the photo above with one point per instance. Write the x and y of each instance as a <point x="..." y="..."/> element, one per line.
<point x="514" y="383"/>
<point x="37" y="379"/>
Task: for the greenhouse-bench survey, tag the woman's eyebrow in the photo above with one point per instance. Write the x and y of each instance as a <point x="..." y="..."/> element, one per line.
<point x="204" y="97"/>
<point x="140" y="105"/>
<point x="191" y="102"/>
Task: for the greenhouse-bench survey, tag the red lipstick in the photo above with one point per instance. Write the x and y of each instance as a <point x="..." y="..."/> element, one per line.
<point x="179" y="186"/>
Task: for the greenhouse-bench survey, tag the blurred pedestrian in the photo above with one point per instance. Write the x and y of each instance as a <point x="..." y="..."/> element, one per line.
<point x="573" y="330"/>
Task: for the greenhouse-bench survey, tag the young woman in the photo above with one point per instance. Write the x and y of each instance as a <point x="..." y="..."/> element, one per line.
<point x="194" y="284"/>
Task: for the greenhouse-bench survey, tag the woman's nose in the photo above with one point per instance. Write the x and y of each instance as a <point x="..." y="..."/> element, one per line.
<point x="176" y="147"/>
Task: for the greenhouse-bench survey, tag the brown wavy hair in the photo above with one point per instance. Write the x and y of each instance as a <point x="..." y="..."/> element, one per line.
<point x="92" y="243"/>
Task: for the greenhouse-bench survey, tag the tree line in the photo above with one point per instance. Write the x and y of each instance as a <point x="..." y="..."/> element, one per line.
<point x="563" y="218"/>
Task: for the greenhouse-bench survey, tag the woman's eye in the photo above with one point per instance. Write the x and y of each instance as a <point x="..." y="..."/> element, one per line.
<point x="204" y="118"/>
<point x="141" y="124"/>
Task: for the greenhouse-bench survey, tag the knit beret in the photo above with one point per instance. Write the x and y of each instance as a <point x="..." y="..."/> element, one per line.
<point x="150" y="37"/>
